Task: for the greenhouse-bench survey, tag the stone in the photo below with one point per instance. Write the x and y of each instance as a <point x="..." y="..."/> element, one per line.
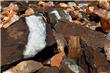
<point x="57" y="58"/>
<point x="15" y="38"/>
<point x="104" y="3"/>
<point x="49" y="70"/>
<point x="70" y="66"/>
<point x="108" y="36"/>
<point x="13" y="42"/>
<point x="105" y="24"/>
<point x="29" y="11"/>
<point x="73" y="46"/>
<point x="92" y="60"/>
<point x="25" y="67"/>
<point x="92" y="38"/>
<point x="55" y="14"/>
<point x="107" y="51"/>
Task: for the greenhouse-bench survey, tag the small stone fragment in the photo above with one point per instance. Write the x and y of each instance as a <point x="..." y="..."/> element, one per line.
<point x="29" y="11"/>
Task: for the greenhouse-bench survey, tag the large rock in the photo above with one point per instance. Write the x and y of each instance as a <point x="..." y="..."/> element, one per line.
<point x="25" y="67"/>
<point x="55" y="14"/>
<point x="13" y="42"/>
<point x="92" y="60"/>
<point x="92" y="38"/>
<point x="14" y="39"/>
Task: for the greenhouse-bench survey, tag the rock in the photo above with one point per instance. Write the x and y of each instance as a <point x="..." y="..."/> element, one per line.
<point x="107" y="51"/>
<point x="57" y="58"/>
<point x="72" y="4"/>
<point x="70" y="66"/>
<point x="13" y="42"/>
<point x="104" y="3"/>
<point x="92" y="38"/>
<point x="15" y="39"/>
<point x="49" y="70"/>
<point x="25" y="67"/>
<point x="55" y="14"/>
<point x="63" y="5"/>
<point x="73" y="46"/>
<point x="107" y="16"/>
<point x="86" y="58"/>
<point x="65" y="69"/>
<point x="29" y="11"/>
<point x="94" y="17"/>
<point x="50" y="39"/>
<point x="36" y="41"/>
<point x="105" y="23"/>
<point x="108" y="36"/>
<point x="22" y="6"/>
<point x="92" y="60"/>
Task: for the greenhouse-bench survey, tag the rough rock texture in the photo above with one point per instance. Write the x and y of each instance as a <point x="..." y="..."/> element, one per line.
<point x="92" y="38"/>
<point x="92" y="60"/>
<point x="25" y="67"/>
<point x="89" y="59"/>
<point x="49" y="70"/>
<point x="73" y="46"/>
<point x="13" y="42"/>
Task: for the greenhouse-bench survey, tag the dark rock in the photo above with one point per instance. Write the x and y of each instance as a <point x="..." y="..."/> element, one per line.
<point x="22" y="6"/>
<point x="14" y="39"/>
<point x="92" y="60"/>
<point x="50" y="40"/>
<point x="92" y="38"/>
<point x="94" y="17"/>
<point x="55" y="14"/>
<point x="105" y="23"/>
<point x="73" y="46"/>
<point x="86" y="58"/>
<point x="13" y="42"/>
<point x="28" y="66"/>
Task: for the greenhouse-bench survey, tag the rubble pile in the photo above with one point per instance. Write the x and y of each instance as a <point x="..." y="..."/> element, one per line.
<point x="55" y="36"/>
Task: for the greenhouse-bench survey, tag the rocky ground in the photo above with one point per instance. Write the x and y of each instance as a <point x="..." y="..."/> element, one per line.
<point x="77" y="36"/>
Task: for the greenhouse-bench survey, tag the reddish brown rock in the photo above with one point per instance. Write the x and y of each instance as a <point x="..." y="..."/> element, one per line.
<point x="92" y="60"/>
<point x="92" y="38"/>
<point x="73" y="46"/>
<point x="25" y="67"/>
<point x="105" y="23"/>
<point x="13" y="42"/>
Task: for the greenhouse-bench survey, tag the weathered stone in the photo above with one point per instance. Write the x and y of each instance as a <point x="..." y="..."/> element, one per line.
<point x="25" y="67"/>
<point x="105" y="23"/>
<point x="104" y="3"/>
<point x="50" y="39"/>
<point x="107" y="51"/>
<point x="49" y="70"/>
<point x="70" y="66"/>
<point x="65" y="69"/>
<point x="13" y="42"/>
<point x="73" y="46"/>
<point x="92" y="38"/>
<point x="86" y="58"/>
<point x="92" y="60"/>
<point x="55" y="14"/>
